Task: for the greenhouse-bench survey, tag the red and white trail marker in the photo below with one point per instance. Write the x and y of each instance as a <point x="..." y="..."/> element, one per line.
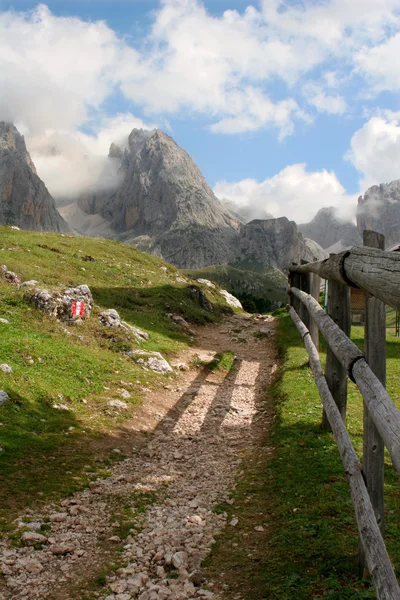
<point x="78" y="308"/>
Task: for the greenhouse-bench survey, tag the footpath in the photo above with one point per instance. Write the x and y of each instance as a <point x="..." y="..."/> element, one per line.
<point x="155" y="517"/>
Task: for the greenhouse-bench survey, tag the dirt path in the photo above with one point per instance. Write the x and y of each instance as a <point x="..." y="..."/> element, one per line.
<point x="157" y="508"/>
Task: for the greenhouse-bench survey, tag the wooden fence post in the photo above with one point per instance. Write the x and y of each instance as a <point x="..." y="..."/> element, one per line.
<point x="295" y="282"/>
<point x="305" y="286"/>
<point x="375" y="354"/>
<point x="315" y="290"/>
<point x="335" y="373"/>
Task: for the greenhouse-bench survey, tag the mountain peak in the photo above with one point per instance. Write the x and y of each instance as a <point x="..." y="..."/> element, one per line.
<point x="12" y="140"/>
<point x="24" y="199"/>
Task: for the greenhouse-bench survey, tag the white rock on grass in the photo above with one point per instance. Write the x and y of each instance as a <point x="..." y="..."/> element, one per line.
<point x="231" y="300"/>
<point x="5" y="368"/>
<point x="4" y="397"/>
<point x="117" y="404"/>
<point x="206" y="282"/>
<point x="111" y="318"/>
<point x="4" y="321"/>
<point x="152" y="360"/>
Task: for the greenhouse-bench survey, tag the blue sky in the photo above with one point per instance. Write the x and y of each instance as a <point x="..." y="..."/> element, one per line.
<point x="287" y="106"/>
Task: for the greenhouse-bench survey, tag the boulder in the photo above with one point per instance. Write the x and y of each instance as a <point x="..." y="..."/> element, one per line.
<point x="59" y="304"/>
<point x="4" y="397"/>
<point x="111" y="318"/>
<point x="231" y="300"/>
<point x="200" y="298"/>
<point x="152" y="360"/>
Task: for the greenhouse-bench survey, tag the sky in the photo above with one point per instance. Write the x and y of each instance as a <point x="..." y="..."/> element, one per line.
<point x="287" y="106"/>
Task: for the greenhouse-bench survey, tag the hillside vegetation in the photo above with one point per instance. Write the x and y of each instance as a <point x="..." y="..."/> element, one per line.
<point x="58" y="420"/>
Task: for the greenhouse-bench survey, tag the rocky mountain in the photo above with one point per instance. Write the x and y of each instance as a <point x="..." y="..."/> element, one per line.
<point x="379" y="210"/>
<point x="163" y="204"/>
<point x="330" y="232"/>
<point x="274" y="243"/>
<point x="24" y="198"/>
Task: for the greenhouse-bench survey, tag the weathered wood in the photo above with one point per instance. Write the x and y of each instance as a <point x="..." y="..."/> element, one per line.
<point x="375" y="354"/>
<point x="315" y="291"/>
<point x="377" y="558"/>
<point x="305" y="286"/>
<point x="335" y="372"/>
<point x="294" y="281"/>
<point x="373" y="270"/>
<point x="385" y="415"/>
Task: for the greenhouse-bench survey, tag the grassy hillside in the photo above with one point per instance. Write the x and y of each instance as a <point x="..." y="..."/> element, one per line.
<point x="58" y="419"/>
<point x="247" y="285"/>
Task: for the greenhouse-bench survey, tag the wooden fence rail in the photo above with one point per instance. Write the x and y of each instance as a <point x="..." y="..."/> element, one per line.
<point x="377" y="273"/>
<point x="373" y="270"/>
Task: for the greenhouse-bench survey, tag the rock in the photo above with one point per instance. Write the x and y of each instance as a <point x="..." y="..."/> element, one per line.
<point x="182" y="322"/>
<point x="231" y="300"/>
<point x="111" y="318"/>
<point x="114" y="538"/>
<point x="11" y="276"/>
<point x="30" y="538"/>
<point x="181" y="366"/>
<point x="25" y="200"/>
<point x="6" y="368"/>
<point x="197" y="578"/>
<point x="4" y="321"/>
<point x="4" y="397"/>
<point x="58" y="517"/>
<point x="33" y="566"/>
<point x="125" y="394"/>
<point x="206" y="282"/>
<point x="62" y="549"/>
<point x="234" y="522"/>
<point x="117" y="404"/>
<point x="179" y="559"/>
<point x="30" y="283"/>
<point x="152" y="360"/>
<point x="200" y="298"/>
<point x="59" y="304"/>
<point x="259" y="528"/>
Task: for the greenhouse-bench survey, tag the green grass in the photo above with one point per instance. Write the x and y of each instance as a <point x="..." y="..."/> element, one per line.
<point x="82" y="371"/>
<point x="295" y="487"/>
<point x="223" y="361"/>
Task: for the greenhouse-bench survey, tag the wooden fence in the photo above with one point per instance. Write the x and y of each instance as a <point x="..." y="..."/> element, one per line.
<point x="377" y="273"/>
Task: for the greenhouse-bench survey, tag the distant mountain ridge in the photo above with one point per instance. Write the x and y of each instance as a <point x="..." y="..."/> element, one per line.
<point x="24" y="198"/>
<point x="331" y="232"/>
<point x="379" y="210"/>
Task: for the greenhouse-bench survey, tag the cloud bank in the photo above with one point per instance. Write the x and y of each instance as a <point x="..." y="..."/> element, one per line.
<point x="58" y="74"/>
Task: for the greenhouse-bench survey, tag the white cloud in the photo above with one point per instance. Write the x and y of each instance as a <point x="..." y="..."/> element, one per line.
<point x="375" y="150"/>
<point x="72" y="162"/>
<point x="380" y="64"/>
<point x="322" y="101"/>
<point x="293" y="192"/>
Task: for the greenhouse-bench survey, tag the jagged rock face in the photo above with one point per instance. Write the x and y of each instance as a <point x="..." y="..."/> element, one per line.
<point x="327" y="230"/>
<point x="164" y="205"/>
<point x="24" y="199"/>
<point x="274" y="243"/>
<point x="379" y="210"/>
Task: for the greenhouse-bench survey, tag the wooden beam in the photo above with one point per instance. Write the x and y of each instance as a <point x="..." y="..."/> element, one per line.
<point x="384" y="413"/>
<point x="335" y="372"/>
<point x="373" y="270"/>
<point x="375" y="354"/>
<point x="378" y="561"/>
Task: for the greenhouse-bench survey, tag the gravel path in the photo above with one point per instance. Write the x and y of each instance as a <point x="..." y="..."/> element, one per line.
<point x="199" y="427"/>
